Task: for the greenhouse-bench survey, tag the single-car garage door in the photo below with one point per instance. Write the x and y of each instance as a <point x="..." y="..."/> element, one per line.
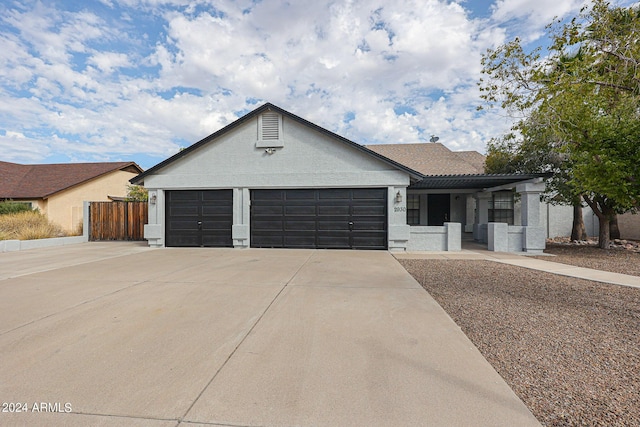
<point x="199" y="218"/>
<point x="319" y="218"/>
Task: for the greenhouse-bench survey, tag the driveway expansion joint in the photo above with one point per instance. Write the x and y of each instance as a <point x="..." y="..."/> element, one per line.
<point x="245" y="337"/>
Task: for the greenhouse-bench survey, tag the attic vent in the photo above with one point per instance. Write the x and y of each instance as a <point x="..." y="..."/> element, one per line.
<point x="270" y="130"/>
<point x="270" y="127"/>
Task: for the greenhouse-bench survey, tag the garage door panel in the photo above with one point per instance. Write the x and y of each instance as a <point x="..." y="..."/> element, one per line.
<point x="334" y="194"/>
<point x="333" y="210"/>
<point x="369" y="243"/>
<point x="297" y="225"/>
<point x="183" y="226"/>
<point x="368" y="225"/>
<point x="266" y="195"/>
<point x="215" y="210"/>
<point x="272" y="210"/>
<point x="307" y="242"/>
<point x="319" y="218"/>
<point x="370" y="194"/>
<point x="175" y="211"/>
<point x="299" y="195"/>
<point x="333" y="225"/>
<point x="370" y="210"/>
<point x="199" y="218"/>
<point x="182" y="196"/>
<point x="268" y="225"/>
<point x="334" y="242"/>
<point x="216" y="225"/>
<point x="300" y="210"/>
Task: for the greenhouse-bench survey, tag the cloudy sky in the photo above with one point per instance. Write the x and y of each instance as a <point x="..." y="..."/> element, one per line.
<point x="136" y="80"/>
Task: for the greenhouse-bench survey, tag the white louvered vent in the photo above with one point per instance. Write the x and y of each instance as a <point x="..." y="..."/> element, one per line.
<point x="270" y="130"/>
<point x="270" y="127"/>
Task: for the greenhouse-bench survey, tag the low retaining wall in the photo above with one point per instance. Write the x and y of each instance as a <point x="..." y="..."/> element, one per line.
<point x="514" y="238"/>
<point x="22" y="245"/>
<point x="436" y="238"/>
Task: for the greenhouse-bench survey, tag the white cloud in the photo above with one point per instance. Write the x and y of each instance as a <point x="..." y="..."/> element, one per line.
<point x="533" y="15"/>
<point x="109" y="61"/>
<point x="156" y="74"/>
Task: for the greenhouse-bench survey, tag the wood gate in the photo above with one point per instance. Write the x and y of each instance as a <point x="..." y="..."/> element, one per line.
<point x="117" y="220"/>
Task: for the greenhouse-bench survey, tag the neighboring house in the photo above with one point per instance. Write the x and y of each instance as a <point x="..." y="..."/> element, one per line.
<point x="59" y="190"/>
<point x="272" y="179"/>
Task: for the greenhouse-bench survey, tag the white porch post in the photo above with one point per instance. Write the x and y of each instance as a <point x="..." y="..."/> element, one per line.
<point x="534" y="235"/>
<point x="481" y="215"/>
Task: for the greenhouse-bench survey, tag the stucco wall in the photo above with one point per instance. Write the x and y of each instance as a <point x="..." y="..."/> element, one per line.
<point x="307" y="159"/>
<point x="629" y="226"/>
<point x="65" y="208"/>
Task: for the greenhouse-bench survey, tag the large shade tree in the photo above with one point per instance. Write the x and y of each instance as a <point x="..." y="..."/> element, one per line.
<point x="584" y="95"/>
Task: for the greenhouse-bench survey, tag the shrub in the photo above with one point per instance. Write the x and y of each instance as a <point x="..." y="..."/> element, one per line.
<point x="14" y="207"/>
<point x="28" y="226"/>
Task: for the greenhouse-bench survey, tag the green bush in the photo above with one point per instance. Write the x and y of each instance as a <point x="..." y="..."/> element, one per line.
<point x="14" y="207"/>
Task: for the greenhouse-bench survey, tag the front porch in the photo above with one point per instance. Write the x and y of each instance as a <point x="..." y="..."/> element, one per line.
<point x="501" y="211"/>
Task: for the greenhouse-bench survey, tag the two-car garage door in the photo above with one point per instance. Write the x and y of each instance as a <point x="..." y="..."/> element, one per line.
<point x="292" y="218"/>
<point x="319" y="218"/>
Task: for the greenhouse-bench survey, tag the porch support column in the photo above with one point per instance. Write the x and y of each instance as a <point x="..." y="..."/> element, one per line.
<point x="534" y="236"/>
<point x="481" y="216"/>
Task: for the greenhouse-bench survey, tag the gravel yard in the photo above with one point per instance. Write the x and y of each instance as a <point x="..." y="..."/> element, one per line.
<point x="570" y="348"/>
<point x="615" y="260"/>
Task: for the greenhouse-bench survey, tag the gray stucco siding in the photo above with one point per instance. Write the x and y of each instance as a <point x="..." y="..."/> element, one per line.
<point x="308" y="158"/>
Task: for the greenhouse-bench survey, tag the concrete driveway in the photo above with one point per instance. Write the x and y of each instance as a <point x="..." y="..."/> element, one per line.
<point x="108" y="334"/>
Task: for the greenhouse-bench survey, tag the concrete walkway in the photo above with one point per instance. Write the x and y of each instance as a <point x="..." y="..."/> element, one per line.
<point x="108" y="334"/>
<point x="480" y="253"/>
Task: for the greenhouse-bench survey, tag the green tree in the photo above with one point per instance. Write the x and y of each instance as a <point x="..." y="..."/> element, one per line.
<point x="136" y="193"/>
<point x="533" y="152"/>
<point x="585" y="96"/>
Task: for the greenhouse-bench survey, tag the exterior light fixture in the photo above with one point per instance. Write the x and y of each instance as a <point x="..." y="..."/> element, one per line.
<point x="269" y="150"/>
<point x="153" y="199"/>
<point x="398" y="197"/>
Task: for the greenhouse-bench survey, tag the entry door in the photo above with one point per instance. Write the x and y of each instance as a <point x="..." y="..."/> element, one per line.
<point x="340" y="218"/>
<point x="438" y="209"/>
<point x="199" y="218"/>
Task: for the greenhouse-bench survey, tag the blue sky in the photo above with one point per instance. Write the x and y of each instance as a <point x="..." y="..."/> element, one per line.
<point x="135" y="80"/>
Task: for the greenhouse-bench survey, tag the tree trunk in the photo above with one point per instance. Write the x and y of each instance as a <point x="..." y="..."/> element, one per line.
<point x="614" y="231"/>
<point x="578" y="231"/>
<point x="603" y="235"/>
<point x="604" y="214"/>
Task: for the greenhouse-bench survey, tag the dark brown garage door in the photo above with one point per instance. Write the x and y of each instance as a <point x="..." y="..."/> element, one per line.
<point x="322" y="219"/>
<point x="199" y="218"/>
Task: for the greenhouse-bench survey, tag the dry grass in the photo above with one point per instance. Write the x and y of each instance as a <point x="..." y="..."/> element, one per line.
<point x="28" y="226"/>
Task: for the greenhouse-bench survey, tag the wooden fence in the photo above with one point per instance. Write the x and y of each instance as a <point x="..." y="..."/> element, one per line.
<point x="117" y="220"/>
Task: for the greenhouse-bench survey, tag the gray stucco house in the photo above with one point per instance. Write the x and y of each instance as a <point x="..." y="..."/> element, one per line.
<point x="272" y="179"/>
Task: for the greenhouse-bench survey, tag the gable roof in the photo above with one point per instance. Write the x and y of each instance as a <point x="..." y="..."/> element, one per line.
<point x="19" y="181"/>
<point x="433" y="158"/>
<point x="414" y="174"/>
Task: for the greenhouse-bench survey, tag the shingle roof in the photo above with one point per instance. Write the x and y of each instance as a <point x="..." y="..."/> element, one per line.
<point x="19" y="181"/>
<point x="432" y="158"/>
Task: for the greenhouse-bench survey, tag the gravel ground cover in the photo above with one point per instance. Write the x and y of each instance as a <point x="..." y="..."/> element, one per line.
<point x="569" y="348"/>
<point x="615" y="260"/>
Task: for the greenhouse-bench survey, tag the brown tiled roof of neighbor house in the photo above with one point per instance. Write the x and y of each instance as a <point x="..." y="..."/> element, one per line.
<point x="19" y="181"/>
<point x="432" y="158"/>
